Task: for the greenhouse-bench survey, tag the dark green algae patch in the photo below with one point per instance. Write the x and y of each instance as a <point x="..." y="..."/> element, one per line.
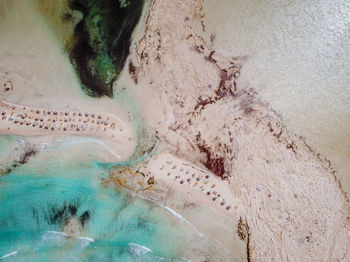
<point x="101" y="41"/>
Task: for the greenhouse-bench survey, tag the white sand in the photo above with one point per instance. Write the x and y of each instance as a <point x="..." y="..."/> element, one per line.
<point x="291" y="200"/>
<point x="298" y="59"/>
<point x="184" y="175"/>
<point x="287" y="195"/>
<point x="35" y="72"/>
<point x="29" y="121"/>
<point x="41" y="75"/>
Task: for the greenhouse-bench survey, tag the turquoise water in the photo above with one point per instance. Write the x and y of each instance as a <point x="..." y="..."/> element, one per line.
<point x="37" y="203"/>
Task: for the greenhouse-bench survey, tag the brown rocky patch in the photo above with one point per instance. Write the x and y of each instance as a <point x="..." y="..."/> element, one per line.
<point x="213" y="162"/>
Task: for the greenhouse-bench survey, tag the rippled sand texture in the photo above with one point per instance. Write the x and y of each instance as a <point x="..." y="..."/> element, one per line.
<point x="292" y="206"/>
<point x="298" y="59"/>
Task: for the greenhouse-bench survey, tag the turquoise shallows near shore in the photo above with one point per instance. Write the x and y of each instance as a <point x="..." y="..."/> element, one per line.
<point x="114" y="226"/>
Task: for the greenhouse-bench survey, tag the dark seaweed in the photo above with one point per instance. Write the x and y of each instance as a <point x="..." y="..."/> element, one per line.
<point x="84" y="217"/>
<point x="102" y="41"/>
<point x="60" y="214"/>
<point x="29" y="152"/>
<point x="57" y="215"/>
<point x="133" y="72"/>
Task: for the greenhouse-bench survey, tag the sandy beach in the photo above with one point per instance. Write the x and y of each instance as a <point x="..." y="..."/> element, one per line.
<point x="293" y="205"/>
<point x="29" y="121"/>
<point x="197" y="183"/>
<point x="219" y="145"/>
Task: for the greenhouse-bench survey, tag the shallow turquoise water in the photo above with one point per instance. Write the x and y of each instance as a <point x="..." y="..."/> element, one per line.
<point x="116" y="226"/>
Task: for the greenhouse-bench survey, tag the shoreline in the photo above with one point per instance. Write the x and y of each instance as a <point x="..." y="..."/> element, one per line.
<point x="30" y="121"/>
<point x="223" y="148"/>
